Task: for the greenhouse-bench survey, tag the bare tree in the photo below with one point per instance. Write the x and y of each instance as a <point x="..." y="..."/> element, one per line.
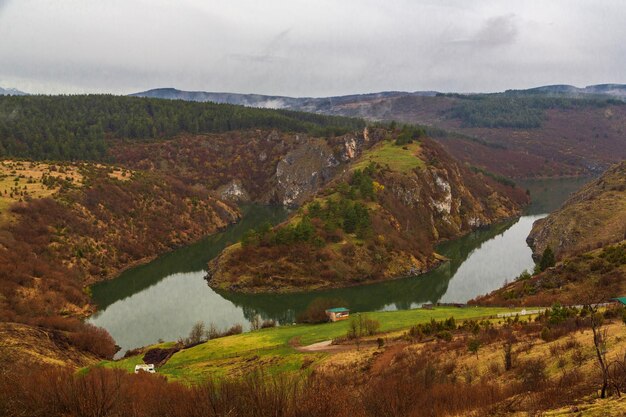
<point x="255" y="323"/>
<point x="599" y="342"/>
<point x="197" y="334"/>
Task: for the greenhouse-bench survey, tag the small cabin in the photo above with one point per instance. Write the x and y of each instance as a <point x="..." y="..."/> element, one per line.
<point x="145" y="368"/>
<point x="339" y="313"/>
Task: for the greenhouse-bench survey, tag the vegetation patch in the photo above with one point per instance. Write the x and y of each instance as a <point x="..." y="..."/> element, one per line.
<point x="388" y="154"/>
<point x="240" y="353"/>
<point x="80" y="127"/>
<point x="597" y="275"/>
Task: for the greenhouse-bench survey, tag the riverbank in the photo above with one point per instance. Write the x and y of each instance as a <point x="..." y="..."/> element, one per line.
<point x="272" y="348"/>
<point x="173" y="285"/>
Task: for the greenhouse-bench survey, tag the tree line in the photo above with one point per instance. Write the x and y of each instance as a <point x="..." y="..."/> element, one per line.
<point x="79" y="127"/>
<point x="520" y="112"/>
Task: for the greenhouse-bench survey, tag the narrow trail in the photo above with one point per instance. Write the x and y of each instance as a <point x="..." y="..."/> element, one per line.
<point x="325" y="346"/>
<point x="383" y="360"/>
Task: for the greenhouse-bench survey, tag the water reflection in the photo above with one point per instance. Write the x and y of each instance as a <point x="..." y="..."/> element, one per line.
<point x="192" y="258"/>
<point x="163" y="299"/>
<point x="391" y="295"/>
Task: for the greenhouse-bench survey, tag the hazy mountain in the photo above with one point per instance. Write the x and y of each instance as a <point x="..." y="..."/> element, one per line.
<point x="11" y="92"/>
<point x="614" y="90"/>
<point x="276" y="102"/>
<point x="327" y="104"/>
<point x="483" y="130"/>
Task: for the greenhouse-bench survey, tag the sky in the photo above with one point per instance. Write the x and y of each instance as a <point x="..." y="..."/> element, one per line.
<point x="309" y="47"/>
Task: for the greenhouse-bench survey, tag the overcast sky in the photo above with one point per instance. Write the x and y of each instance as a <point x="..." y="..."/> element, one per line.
<point x="309" y="47"/>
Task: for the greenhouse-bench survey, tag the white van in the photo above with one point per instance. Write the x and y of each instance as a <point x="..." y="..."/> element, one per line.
<point x="145" y="368"/>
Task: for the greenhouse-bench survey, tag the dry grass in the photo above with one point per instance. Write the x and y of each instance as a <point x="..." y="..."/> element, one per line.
<point x="24" y="344"/>
<point x="592" y="217"/>
<point x="20" y="180"/>
<point x="23" y="180"/>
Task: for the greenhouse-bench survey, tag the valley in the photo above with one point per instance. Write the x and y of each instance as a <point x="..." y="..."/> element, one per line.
<point x="312" y="209"/>
<point x="123" y="252"/>
<point x="174" y="285"/>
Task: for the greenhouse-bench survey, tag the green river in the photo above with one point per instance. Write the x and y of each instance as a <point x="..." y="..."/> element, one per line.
<point x="164" y="298"/>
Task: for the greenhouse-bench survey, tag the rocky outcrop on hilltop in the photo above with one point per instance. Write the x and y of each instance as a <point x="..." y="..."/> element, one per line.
<point x="378" y="220"/>
<point x="312" y="163"/>
<point x="269" y="167"/>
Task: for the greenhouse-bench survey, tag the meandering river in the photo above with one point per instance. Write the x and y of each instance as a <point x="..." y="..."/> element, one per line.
<point x="163" y="299"/>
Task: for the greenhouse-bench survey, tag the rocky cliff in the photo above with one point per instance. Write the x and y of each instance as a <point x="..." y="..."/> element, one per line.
<point x="269" y="167"/>
<point x="378" y="220"/>
<point x="590" y="218"/>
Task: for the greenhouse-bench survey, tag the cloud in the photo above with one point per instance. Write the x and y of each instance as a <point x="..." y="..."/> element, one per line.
<point x="497" y="31"/>
<point x="258" y="59"/>
<point x="494" y="32"/>
<point x="304" y="48"/>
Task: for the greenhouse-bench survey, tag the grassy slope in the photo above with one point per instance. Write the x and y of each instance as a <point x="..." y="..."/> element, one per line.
<point x="24" y="344"/>
<point x="592" y="217"/>
<point x="21" y="179"/>
<point x="571" y="353"/>
<point x="271" y="347"/>
<point x="397" y="158"/>
<point x="612" y="407"/>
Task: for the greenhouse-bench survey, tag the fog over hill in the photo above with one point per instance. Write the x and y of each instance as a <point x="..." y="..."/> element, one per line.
<point x="315" y="104"/>
<point x="323" y="104"/>
<point x="11" y="92"/>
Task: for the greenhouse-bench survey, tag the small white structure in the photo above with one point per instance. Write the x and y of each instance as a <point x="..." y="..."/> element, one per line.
<point x="338" y="313"/>
<point x="145" y="368"/>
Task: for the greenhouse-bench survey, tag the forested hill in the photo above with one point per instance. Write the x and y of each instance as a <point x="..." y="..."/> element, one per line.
<point x="549" y="131"/>
<point x="77" y="127"/>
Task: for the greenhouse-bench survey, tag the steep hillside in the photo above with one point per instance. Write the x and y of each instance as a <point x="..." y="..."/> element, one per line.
<point x="266" y="166"/>
<point x="78" y="223"/>
<point x="23" y="345"/>
<point x="377" y="221"/>
<point x="591" y="277"/>
<point x="592" y="217"/>
<point x="528" y="136"/>
<point x="548" y="131"/>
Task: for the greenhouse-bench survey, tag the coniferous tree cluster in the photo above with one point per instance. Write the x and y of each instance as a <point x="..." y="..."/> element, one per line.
<point x="79" y="127"/>
<point x="520" y="112"/>
<point x="348" y="213"/>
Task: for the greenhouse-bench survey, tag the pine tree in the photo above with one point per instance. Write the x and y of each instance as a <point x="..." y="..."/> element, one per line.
<point x="547" y="259"/>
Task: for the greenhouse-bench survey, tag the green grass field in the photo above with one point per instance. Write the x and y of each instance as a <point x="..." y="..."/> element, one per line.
<point x="387" y="153"/>
<point x="271" y="348"/>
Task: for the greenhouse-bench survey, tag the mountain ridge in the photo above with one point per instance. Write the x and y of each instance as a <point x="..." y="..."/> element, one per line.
<point x="549" y="131"/>
<point x="610" y="89"/>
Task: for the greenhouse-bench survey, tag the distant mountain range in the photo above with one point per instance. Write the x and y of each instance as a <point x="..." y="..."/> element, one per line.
<point x="11" y="92"/>
<point x="326" y="104"/>
<point x="313" y="104"/>
<point x="514" y="138"/>
<point x="614" y="90"/>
